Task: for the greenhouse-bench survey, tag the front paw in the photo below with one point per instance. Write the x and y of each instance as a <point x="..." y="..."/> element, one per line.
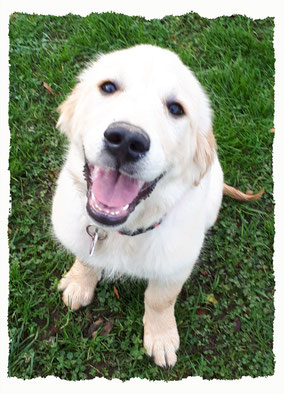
<point x="75" y="293"/>
<point x="161" y="344"/>
<point x="78" y="285"/>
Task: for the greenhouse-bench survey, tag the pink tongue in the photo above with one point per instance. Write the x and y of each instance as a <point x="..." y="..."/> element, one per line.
<point x="114" y="189"/>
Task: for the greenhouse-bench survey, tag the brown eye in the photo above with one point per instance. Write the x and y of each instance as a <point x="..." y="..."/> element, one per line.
<point x="108" y="87"/>
<point x="175" y="109"/>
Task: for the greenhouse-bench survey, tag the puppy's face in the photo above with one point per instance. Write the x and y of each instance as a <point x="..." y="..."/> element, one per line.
<point x="144" y="125"/>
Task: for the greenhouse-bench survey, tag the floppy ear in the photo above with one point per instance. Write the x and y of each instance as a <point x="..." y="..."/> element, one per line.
<point x="66" y="110"/>
<point x="205" y="150"/>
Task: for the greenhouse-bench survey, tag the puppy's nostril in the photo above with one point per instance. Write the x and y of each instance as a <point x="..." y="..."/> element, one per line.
<point x="115" y="138"/>
<point x="137" y="146"/>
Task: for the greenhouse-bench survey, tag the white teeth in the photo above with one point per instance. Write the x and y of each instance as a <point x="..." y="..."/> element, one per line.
<point x="111" y="212"/>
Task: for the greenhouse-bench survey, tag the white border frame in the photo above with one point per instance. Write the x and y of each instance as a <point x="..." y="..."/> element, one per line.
<point x="149" y="9"/>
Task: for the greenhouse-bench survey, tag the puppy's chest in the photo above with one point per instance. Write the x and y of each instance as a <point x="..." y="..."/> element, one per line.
<point x="122" y="254"/>
<point x="122" y="247"/>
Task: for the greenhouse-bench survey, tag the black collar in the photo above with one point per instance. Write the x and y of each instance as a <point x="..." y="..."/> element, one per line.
<point x="140" y="230"/>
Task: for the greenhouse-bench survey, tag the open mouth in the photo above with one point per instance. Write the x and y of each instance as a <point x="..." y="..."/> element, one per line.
<point x="112" y="196"/>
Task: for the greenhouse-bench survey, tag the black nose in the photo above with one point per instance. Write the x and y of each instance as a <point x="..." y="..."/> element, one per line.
<point x="126" y="142"/>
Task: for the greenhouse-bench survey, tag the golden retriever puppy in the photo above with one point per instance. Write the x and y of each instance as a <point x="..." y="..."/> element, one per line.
<point x="141" y="184"/>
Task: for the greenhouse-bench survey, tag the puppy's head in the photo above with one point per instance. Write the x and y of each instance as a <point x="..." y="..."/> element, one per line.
<point x="142" y="126"/>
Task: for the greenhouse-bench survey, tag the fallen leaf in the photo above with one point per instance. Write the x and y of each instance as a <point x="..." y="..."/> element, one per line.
<point x="98" y="322"/>
<point x="10" y="231"/>
<point x="88" y="313"/>
<point x="54" y="330"/>
<point x="47" y="87"/>
<point x="272" y="130"/>
<point x="238" y="324"/>
<point x="107" y="327"/>
<point x="211" y="299"/>
<point x="94" y="327"/>
<point x="208" y="357"/>
<point x="116" y="292"/>
<point x="204" y="273"/>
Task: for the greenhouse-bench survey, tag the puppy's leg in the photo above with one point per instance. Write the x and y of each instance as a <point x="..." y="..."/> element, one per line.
<point x="161" y="339"/>
<point x="78" y="285"/>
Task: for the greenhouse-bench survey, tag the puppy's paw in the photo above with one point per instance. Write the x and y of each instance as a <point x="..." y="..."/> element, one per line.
<point x="162" y="346"/>
<point x="78" y="285"/>
<point x="76" y="294"/>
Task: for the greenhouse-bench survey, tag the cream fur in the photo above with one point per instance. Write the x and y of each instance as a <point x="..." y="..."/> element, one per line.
<point x="79" y="284"/>
<point x="188" y="197"/>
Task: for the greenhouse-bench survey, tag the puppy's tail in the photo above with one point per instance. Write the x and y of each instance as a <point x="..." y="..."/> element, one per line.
<point x="238" y="195"/>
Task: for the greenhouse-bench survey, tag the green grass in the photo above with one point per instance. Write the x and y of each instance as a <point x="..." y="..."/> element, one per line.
<point x="225" y="311"/>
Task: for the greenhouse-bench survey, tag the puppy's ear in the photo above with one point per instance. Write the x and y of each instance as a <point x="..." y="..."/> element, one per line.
<point x="205" y="151"/>
<point x="67" y="110"/>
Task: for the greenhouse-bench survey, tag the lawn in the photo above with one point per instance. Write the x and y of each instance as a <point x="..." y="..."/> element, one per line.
<point x="225" y="311"/>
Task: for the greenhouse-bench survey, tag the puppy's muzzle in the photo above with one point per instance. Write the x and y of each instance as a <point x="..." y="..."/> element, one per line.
<point x="126" y="142"/>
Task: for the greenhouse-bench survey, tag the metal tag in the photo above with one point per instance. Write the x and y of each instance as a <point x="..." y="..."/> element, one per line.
<point x="94" y="241"/>
<point x="96" y="235"/>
